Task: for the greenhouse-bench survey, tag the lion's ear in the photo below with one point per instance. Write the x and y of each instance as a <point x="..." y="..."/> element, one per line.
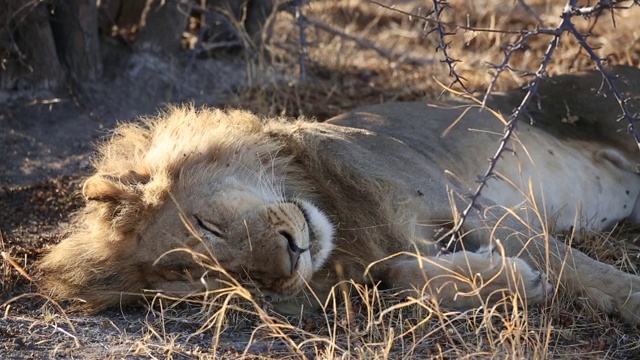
<point x="114" y="188"/>
<point x="120" y="198"/>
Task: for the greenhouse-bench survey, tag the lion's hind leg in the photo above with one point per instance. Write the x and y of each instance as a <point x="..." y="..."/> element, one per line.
<point x="465" y="280"/>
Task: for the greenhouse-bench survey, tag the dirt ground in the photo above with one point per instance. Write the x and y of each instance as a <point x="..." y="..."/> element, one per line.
<point x="46" y="143"/>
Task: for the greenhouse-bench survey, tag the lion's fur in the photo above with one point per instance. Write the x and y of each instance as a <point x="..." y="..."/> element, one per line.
<point x="378" y="175"/>
<point x="136" y="169"/>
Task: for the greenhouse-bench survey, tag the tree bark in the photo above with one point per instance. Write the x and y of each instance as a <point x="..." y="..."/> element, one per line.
<point x="75" y="28"/>
<point x="163" y="25"/>
<point x="27" y="48"/>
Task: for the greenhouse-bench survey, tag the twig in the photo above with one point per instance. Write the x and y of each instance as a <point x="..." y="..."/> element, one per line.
<point x="609" y="79"/>
<point x="444" y="45"/>
<point x="509" y="130"/>
<point x="587" y="11"/>
<point x="504" y="65"/>
<point x="528" y="9"/>
<point x="365" y="43"/>
<point x="453" y="25"/>
<point x="65" y="332"/>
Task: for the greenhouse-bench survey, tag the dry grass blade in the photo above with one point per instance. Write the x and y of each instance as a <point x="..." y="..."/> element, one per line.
<point x="6" y="257"/>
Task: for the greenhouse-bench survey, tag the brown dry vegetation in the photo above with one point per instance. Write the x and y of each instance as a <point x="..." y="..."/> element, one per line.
<point x="362" y="322"/>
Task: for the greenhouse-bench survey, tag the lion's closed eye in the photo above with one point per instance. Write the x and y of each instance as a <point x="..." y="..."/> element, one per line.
<point x="210" y="227"/>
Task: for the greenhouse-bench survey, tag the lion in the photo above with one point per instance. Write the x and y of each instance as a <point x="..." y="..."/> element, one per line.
<point x="291" y="207"/>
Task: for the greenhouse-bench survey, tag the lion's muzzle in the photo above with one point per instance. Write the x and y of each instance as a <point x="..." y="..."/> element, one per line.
<point x="294" y="250"/>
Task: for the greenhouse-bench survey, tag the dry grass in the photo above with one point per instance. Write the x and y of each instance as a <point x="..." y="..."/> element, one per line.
<point x="361" y="321"/>
<point x="342" y="73"/>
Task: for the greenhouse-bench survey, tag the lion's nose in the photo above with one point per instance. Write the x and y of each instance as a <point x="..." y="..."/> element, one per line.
<point x="294" y="250"/>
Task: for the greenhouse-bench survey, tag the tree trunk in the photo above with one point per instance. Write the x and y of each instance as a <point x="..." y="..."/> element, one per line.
<point x="27" y="48"/>
<point x="163" y="25"/>
<point x="75" y="28"/>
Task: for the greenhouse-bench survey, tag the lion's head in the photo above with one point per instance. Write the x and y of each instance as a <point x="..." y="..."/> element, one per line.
<point x="184" y="193"/>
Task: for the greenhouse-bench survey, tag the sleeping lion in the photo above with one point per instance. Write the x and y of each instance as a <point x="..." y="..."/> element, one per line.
<point x="289" y="208"/>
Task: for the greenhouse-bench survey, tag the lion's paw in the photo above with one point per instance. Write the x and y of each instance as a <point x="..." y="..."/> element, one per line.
<point x="630" y="309"/>
<point x="531" y="284"/>
<point x="509" y="273"/>
<point x="626" y="304"/>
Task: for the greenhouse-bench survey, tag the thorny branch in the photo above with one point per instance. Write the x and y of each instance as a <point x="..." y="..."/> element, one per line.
<point x="509" y="130"/>
<point x="570" y="10"/>
<point x="587" y="11"/>
<point x="609" y="79"/>
<point x="504" y="65"/>
<point x="443" y="45"/>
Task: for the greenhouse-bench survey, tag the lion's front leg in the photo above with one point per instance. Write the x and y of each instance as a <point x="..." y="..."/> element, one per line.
<point x="601" y="285"/>
<point x="465" y="280"/>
